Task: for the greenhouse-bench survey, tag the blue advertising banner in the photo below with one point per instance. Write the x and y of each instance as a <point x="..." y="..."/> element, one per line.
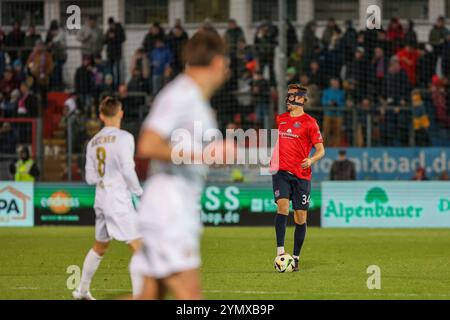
<point x="388" y="163"/>
<point x="16" y="204"/>
<point x="395" y="204"/>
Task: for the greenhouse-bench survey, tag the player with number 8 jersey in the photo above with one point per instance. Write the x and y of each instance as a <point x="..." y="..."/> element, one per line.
<point x="110" y="167"/>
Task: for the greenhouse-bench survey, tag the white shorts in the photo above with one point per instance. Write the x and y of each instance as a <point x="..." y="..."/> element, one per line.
<point x="162" y="256"/>
<point x="170" y="226"/>
<point x="121" y="226"/>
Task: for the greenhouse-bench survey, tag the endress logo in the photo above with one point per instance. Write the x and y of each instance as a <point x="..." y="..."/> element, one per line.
<point x="60" y="202"/>
<point x="376" y="206"/>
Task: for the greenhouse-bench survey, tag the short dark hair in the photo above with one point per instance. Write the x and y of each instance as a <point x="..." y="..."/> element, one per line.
<point x="298" y="87"/>
<point x="201" y="49"/>
<point x="110" y="106"/>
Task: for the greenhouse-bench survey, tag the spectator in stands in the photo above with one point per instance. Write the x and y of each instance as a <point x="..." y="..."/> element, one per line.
<point x="310" y="41"/>
<point x="108" y="86"/>
<point x="408" y="57"/>
<point x="98" y="70"/>
<point x="160" y="61"/>
<point x="114" y="39"/>
<point x="397" y="85"/>
<point x="410" y="34"/>
<point x="440" y="97"/>
<point x="349" y="41"/>
<point x="379" y="68"/>
<point x="57" y="46"/>
<point x="421" y="121"/>
<point x="31" y="38"/>
<point x="91" y="38"/>
<point x="140" y="61"/>
<point x="358" y="70"/>
<point x="396" y="121"/>
<point x="425" y="65"/>
<point x="313" y="92"/>
<point x="333" y="102"/>
<point x="18" y="71"/>
<point x="27" y="105"/>
<point x="8" y="139"/>
<point x="77" y="123"/>
<point x="292" y="39"/>
<point x="261" y="98"/>
<point x="176" y="41"/>
<point x="297" y="60"/>
<point x="24" y="169"/>
<point x="420" y="174"/>
<point x="9" y="106"/>
<point x="84" y="84"/>
<point x="40" y="64"/>
<point x="316" y="75"/>
<point x="334" y="55"/>
<point x="179" y="25"/>
<point x="438" y="35"/>
<point x="342" y="169"/>
<point x="137" y="83"/>
<point x="8" y="83"/>
<point x="395" y="33"/>
<point x="328" y="32"/>
<point x="383" y="43"/>
<point x="232" y="35"/>
<point x="364" y="109"/>
<point x="155" y="32"/>
<point x="264" y="45"/>
<point x="15" y="39"/>
<point x="246" y="63"/>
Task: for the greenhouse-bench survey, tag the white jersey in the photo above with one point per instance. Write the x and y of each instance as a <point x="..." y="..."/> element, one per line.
<point x="110" y="166"/>
<point x="181" y="108"/>
<point x="173" y="191"/>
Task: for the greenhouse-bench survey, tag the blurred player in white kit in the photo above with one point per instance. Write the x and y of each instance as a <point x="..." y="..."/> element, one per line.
<point x="110" y="167"/>
<point x="169" y="213"/>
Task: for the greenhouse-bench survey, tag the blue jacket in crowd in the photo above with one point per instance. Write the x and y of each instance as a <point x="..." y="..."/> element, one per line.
<point x="160" y="58"/>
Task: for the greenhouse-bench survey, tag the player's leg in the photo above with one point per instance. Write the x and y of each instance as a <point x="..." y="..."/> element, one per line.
<point x="184" y="285"/>
<point x="152" y="289"/>
<point x="94" y="256"/>
<point x="136" y="279"/>
<point x="299" y="234"/>
<point x="282" y="191"/>
<point x="91" y="263"/>
<point x="300" y="203"/>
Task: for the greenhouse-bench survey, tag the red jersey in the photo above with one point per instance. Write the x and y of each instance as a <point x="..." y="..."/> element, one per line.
<point x="296" y="138"/>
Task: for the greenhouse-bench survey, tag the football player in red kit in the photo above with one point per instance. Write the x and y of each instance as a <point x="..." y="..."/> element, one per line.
<point x="291" y="164"/>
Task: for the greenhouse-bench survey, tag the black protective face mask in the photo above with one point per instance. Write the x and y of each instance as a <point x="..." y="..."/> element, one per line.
<point x="290" y="99"/>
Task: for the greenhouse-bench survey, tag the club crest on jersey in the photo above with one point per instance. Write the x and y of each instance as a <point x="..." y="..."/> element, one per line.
<point x="277" y="193"/>
<point x="297" y="125"/>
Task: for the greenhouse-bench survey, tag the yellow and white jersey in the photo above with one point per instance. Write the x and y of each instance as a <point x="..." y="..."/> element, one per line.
<point x="110" y="167"/>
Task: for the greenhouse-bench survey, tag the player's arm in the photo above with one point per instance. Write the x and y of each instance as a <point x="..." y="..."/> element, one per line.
<point x="152" y="146"/>
<point x="92" y="177"/>
<point x="128" y="166"/>
<point x="318" y="154"/>
<point x="316" y="139"/>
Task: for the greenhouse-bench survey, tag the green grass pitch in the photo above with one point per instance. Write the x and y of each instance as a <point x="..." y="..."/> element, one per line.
<point x="238" y="264"/>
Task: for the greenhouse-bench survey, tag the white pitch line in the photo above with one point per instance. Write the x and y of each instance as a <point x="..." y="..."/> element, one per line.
<point x="272" y="292"/>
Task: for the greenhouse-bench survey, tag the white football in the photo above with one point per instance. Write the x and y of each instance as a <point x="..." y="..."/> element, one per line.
<point x="284" y="263"/>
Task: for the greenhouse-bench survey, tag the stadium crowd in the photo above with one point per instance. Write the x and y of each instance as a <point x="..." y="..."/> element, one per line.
<point x="384" y="75"/>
